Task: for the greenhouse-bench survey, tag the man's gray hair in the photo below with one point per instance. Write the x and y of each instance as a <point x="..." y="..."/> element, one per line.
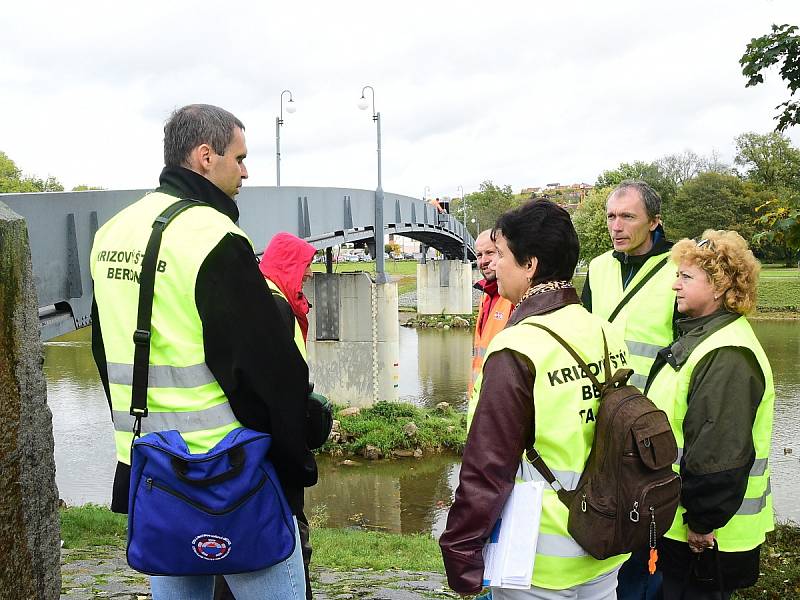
<point x="196" y="124"/>
<point x="650" y="197"/>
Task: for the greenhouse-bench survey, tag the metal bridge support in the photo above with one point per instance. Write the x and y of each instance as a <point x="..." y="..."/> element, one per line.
<point x="444" y="287"/>
<point x="353" y="338"/>
<point x="30" y="567"/>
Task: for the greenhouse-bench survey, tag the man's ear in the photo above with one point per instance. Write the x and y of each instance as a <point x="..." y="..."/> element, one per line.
<point x="200" y="159"/>
<point x="656" y="222"/>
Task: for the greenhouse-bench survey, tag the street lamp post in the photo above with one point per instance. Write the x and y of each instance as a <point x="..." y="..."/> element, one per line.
<point x="380" y="273"/>
<point x="290" y="108"/>
<point x="464" y="219"/>
<point x="425" y="192"/>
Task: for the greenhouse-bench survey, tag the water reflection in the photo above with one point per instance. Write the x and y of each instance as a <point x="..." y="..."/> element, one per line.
<point x="401" y="496"/>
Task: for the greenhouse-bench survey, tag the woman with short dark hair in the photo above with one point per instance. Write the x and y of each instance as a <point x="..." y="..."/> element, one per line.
<point x="530" y="389"/>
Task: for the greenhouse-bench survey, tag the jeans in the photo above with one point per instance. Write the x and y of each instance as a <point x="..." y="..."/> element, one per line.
<point x="284" y="581"/>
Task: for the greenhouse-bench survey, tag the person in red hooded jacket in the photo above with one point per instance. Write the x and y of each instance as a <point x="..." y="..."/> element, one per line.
<point x="286" y="266"/>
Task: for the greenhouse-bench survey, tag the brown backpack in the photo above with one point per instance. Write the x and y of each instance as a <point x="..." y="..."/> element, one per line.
<point x="628" y="493"/>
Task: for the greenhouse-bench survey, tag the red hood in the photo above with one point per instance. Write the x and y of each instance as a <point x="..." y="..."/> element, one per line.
<point x="284" y="262"/>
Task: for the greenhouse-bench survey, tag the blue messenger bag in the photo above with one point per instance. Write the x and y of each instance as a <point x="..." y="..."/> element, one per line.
<point x="217" y="513"/>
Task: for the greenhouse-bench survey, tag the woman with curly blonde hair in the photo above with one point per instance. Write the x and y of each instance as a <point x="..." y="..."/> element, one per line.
<point x="715" y="384"/>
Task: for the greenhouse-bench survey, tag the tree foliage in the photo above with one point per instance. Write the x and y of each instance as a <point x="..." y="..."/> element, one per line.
<point x="12" y="180"/>
<point x="713" y="201"/>
<point x="590" y="223"/>
<point x="780" y="46"/>
<point x="485" y="205"/>
<point x="644" y="171"/>
<point x="768" y="160"/>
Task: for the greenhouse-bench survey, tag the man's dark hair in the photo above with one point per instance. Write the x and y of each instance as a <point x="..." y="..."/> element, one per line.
<point x="650" y="197"/>
<point x="196" y="124"/>
<point x="542" y="229"/>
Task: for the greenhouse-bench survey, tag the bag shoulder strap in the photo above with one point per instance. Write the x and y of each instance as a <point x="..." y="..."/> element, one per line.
<point x="632" y="292"/>
<point x="141" y="336"/>
<point x="532" y="454"/>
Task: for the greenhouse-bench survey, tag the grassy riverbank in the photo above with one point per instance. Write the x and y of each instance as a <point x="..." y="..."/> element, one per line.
<point x="396" y="429"/>
<point x="342" y="549"/>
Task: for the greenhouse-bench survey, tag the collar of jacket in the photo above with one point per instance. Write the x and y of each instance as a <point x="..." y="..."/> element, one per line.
<point x="660" y="245"/>
<point x="183" y="183"/>
<point x="691" y="332"/>
<point x="487" y="287"/>
<point x="540" y="304"/>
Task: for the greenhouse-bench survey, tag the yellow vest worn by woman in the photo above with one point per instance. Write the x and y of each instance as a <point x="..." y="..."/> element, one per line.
<point x="669" y="390"/>
<point x="564" y="406"/>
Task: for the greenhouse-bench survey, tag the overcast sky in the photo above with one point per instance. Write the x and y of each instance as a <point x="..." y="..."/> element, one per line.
<point x="523" y="93"/>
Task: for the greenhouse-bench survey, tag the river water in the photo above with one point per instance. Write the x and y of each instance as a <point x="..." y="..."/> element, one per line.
<point x="401" y="496"/>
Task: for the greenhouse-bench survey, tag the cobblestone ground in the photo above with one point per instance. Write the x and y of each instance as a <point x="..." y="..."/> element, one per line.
<point x="104" y="573"/>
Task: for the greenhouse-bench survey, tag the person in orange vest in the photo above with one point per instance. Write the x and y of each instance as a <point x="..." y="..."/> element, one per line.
<point x="494" y="309"/>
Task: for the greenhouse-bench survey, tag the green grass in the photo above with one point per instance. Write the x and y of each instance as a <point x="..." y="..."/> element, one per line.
<point x="350" y="549"/>
<point x="392" y="267"/>
<point x="92" y="525"/>
<point x="85" y="527"/>
<point x="780" y="567"/>
<point x="382" y="426"/>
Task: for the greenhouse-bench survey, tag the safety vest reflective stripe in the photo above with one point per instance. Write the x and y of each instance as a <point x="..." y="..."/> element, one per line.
<point x="753" y="506"/>
<point x="643" y="349"/>
<point x="568" y="479"/>
<point x="558" y="545"/>
<point x="185" y="422"/>
<point x="638" y="380"/>
<point x="480" y="352"/>
<point x="163" y="376"/>
<point x="759" y="465"/>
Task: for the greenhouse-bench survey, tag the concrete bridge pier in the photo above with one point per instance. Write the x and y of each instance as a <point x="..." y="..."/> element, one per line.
<point x="444" y="287"/>
<point x="353" y="338"/>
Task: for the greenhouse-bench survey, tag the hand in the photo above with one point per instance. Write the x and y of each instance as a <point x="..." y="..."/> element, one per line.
<point x="700" y="541"/>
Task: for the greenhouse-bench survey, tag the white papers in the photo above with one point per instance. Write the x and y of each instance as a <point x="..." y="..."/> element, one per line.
<point x="511" y="549"/>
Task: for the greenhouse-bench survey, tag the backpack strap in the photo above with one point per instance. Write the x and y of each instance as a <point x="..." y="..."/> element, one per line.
<point x="141" y="336"/>
<point x="637" y="287"/>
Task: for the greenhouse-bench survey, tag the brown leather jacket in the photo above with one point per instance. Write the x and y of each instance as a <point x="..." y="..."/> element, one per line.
<point x="502" y="427"/>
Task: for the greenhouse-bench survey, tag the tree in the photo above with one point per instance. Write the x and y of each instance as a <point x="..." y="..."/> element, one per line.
<point x="86" y="188"/>
<point x="590" y="223"/>
<point x="12" y="181"/>
<point x="782" y="45"/>
<point x="769" y="160"/>
<point x="713" y="201"/>
<point x="648" y="172"/>
<point x="485" y="205"/>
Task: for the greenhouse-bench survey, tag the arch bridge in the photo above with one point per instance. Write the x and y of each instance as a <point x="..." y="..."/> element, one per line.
<point x="61" y="228"/>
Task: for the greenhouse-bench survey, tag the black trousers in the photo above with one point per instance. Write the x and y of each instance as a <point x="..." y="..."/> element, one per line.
<point x="223" y="592"/>
<point x="680" y="588"/>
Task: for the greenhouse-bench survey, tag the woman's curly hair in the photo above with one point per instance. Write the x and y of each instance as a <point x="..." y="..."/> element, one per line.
<point x="729" y="264"/>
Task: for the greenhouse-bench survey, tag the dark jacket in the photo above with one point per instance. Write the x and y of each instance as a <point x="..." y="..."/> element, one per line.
<point x="724" y="394"/>
<point x="247" y="347"/>
<point x="490" y="461"/>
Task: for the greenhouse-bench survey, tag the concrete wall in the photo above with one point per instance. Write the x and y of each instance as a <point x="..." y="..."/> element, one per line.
<point x="444" y="286"/>
<point x="362" y="365"/>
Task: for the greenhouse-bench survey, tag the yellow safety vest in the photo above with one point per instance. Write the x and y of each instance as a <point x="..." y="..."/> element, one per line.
<point x="669" y="390"/>
<point x="299" y="341"/>
<point x="182" y="392"/>
<point x="646" y="319"/>
<point x="565" y="407"/>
